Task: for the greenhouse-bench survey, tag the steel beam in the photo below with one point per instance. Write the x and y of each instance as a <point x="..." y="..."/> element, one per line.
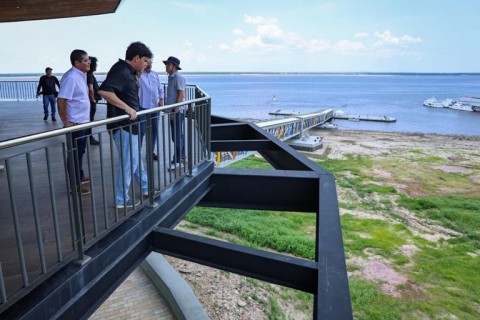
<point x="242" y="145"/>
<point x="263" y="190"/>
<point x="275" y="268"/>
<point x="234" y="131"/>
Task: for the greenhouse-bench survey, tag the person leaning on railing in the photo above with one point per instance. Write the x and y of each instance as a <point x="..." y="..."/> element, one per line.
<point x="120" y="90"/>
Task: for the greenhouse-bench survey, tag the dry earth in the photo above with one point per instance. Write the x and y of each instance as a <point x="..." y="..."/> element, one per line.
<point x="229" y="296"/>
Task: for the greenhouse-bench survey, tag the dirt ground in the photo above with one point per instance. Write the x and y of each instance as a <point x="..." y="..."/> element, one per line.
<point x="228" y="296"/>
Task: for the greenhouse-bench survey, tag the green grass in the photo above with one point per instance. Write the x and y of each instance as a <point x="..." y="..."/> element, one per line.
<point x="381" y="237"/>
<point x="458" y="213"/>
<point x="369" y="303"/>
<point x="288" y="232"/>
<point x="251" y="162"/>
<point x="452" y="277"/>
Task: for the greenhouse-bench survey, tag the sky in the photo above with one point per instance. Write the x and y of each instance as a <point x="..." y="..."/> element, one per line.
<point x="260" y="36"/>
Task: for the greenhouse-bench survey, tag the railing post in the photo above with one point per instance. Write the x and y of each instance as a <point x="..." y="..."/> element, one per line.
<point x="81" y="258"/>
<point x="149" y="158"/>
<point x="208" y="132"/>
<point x="16" y="91"/>
<point x="190" y="139"/>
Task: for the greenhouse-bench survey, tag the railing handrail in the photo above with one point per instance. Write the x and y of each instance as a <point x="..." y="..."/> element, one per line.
<point x="93" y="124"/>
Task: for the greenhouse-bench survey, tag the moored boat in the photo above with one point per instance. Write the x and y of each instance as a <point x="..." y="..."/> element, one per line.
<point x="433" y="103"/>
<point x="461" y="106"/>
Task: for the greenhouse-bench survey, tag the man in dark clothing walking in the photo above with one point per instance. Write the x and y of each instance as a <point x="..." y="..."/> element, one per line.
<point x="47" y="84"/>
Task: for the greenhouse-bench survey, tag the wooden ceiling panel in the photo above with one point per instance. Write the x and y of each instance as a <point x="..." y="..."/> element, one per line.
<point x="23" y="10"/>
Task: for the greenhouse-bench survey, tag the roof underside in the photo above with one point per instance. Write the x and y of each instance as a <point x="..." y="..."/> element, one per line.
<point x="23" y="10"/>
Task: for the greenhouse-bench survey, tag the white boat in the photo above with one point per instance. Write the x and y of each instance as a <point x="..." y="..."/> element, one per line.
<point x="473" y="101"/>
<point x="448" y="102"/>
<point x="433" y="103"/>
<point x="328" y="125"/>
<point x="461" y="106"/>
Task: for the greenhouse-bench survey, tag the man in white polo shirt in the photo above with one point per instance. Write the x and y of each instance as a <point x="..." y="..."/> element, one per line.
<point x="74" y="107"/>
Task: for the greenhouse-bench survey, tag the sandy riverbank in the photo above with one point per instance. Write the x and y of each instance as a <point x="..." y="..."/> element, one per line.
<point x="338" y="143"/>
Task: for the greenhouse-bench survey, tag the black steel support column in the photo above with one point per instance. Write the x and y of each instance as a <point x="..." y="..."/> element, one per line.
<point x="333" y="298"/>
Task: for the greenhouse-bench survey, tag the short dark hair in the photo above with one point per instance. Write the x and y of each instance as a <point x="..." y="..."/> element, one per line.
<point x="138" y="49"/>
<point x="93" y="64"/>
<point x="77" y="55"/>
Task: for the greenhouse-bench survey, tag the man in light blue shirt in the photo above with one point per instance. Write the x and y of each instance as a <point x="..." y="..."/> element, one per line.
<point x="74" y="108"/>
<point x="176" y="94"/>
<point x="150" y="94"/>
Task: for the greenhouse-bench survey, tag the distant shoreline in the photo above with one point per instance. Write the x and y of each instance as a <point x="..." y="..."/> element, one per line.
<point x="201" y="73"/>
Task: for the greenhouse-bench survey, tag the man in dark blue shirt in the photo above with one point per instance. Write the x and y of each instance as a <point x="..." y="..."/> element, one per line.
<point x="47" y="84"/>
<point x="120" y="90"/>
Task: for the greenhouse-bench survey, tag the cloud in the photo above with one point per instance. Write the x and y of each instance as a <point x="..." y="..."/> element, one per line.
<point x="237" y="32"/>
<point x="187" y="44"/>
<point x="318" y="45"/>
<point x="224" y="46"/>
<point x="258" y="20"/>
<point x="346" y="46"/>
<point x="263" y="35"/>
<point x="361" y="35"/>
<point x="386" y="37"/>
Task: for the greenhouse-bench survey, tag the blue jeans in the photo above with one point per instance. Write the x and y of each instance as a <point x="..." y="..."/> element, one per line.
<point x="49" y="99"/>
<point x="143" y="128"/>
<point x="177" y="130"/>
<point x="124" y="164"/>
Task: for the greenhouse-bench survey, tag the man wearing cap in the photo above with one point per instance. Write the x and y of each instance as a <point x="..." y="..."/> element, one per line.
<point x="176" y="94"/>
<point x="47" y="83"/>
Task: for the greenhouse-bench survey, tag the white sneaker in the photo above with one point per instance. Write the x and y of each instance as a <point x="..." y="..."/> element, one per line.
<point x="129" y="204"/>
<point x="174" y="166"/>
<point x="155" y="193"/>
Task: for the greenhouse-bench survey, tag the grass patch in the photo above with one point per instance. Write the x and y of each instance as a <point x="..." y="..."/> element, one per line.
<point x="274" y="312"/>
<point x="369" y="303"/>
<point x="251" y="162"/>
<point x="458" y="213"/>
<point x="288" y="232"/>
<point x="384" y="238"/>
<point x="452" y="277"/>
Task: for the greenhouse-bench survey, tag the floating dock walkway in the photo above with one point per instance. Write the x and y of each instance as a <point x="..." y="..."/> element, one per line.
<point x="363" y="118"/>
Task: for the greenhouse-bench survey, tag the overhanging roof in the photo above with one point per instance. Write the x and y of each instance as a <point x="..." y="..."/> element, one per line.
<point x="23" y="10"/>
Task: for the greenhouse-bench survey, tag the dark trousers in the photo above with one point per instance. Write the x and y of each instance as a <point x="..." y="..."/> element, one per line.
<point x="143" y="128"/>
<point x="79" y="146"/>
<point x="177" y="130"/>
<point x="93" y="110"/>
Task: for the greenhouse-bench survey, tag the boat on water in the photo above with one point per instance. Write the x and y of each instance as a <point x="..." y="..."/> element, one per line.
<point x="473" y="101"/>
<point x="461" y="106"/>
<point x="434" y="103"/>
<point x="465" y="103"/>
